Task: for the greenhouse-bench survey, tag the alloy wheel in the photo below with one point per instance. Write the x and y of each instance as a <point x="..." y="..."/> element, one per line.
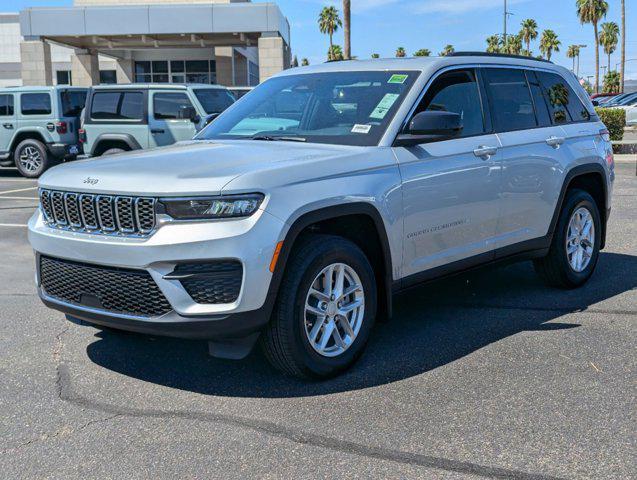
<point x="334" y="310"/>
<point x="580" y="239"/>
<point x="30" y="159"/>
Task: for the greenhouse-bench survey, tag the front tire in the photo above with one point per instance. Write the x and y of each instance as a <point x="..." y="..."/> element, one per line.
<point x="325" y="309"/>
<point x="31" y="158"/>
<point x="113" y="151"/>
<point x="575" y="248"/>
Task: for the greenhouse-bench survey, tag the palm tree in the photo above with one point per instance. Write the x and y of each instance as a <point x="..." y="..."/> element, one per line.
<point x="295" y="62"/>
<point x="608" y="38"/>
<point x="400" y="52"/>
<point x="423" y="52"/>
<point x="305" y="62"/>
<point x="448" y="50"/>
<point x="623" y="72"/>
<point x="611" y="82"/>
<point x="335" y="53"/>
<point x="347" y="17"/>
<point x="493" y="44"/>
<point x="573" y="52"/>
<point x="592" y="11"/>
<point x="375" y="55"/>
<point x="528" y="33"/>
<point x="549" y="43"/>
<point x="329" y="22"/>
<point x="514" y="45"/>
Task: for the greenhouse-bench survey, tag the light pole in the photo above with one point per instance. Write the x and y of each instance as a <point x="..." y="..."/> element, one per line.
<point x="579" y="47"/>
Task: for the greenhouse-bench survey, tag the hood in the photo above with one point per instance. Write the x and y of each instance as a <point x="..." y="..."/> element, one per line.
<point x="187" y="168"/>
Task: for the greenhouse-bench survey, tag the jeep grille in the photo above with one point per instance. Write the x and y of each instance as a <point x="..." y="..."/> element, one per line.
<point x="102" y="214"/>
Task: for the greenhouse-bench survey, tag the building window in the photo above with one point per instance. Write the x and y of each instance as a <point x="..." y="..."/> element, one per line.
<point x="63" y="77"/>
<point x="176" y="71"/>
<point x="108" y="76"/>
<point x="253" y="74"/>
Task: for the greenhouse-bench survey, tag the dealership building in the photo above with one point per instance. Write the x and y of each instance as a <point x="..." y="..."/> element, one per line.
<point x="229" y="42"/>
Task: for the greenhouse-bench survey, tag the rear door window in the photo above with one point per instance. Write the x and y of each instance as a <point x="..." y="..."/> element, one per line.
<point x="539" y="102"/>
<point x="35" y="103"/>
<point x="170" y="106"/>
<point x="457" y="92"/>
<point x="117" y="106"/>
<point x="511" y="101"/>
<point x="214" y="100"/>
<point x="72" y="102"/>
<point x="6" y="105"/>
<point x="563" y="102"/>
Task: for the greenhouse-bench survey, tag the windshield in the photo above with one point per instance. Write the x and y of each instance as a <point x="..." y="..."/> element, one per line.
<point x="344" y="108"/>
<point x="214" y="100"/>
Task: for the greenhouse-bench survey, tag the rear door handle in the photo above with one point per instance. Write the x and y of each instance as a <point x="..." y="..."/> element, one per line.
<point x="554" y="141"/>
<point x="157" y="130"/>
<point x="484" y="152"/>
<point x="8" y="126"/>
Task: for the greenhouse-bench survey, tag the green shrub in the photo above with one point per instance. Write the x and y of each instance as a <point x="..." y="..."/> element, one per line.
<point x="615" y="121"/>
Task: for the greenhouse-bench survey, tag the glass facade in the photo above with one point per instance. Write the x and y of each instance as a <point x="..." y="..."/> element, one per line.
<point x="176" y="71"/>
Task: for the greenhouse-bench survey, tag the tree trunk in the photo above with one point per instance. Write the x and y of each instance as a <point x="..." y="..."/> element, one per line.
<point x="331" y="52"/>
<point x="623" y="65"/>
<point x="347" y="13"/>
<point x="528" y="47"/>
<point x="573" y="63"/>
<point x="596" y="57"/>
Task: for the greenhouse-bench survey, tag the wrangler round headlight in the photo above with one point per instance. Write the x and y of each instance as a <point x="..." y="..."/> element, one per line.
<point x="202" y="208"/>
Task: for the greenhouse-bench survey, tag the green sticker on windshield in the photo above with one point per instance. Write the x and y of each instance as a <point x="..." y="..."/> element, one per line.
<point x="396" y="78"/>
<point x="384" y="105"/>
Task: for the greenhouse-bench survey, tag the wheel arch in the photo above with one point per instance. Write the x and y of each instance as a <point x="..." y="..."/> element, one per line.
<point x="333" y="219"/>
<point x="111" y="140"/>
<point x="591" y="178"/>
<point x="22" y="135"/>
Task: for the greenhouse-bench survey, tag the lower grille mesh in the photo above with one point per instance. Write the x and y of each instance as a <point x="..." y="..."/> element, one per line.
<point x="212" y="282"/>
<point x="117" y="290"/>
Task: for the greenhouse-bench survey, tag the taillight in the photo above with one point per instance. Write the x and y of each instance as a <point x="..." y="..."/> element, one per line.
<point x="605" y="134"/>
<point x="82" y="135"/>
<point x="610" y="159"/>
<point x="61" y="127"/>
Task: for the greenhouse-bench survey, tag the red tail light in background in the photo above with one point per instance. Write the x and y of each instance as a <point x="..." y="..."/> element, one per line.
<point x="61" y="127"/>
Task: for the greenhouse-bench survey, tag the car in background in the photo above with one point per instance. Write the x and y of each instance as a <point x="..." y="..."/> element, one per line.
<point x="120" y="118"/>
<point x="617" y="100"/>
<point x="630" y="105"/>
<point x="39" y="127"/>
<point x="601" y="98"/>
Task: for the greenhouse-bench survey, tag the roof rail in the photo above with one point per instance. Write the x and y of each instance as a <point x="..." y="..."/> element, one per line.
<point x="502" y="55"/>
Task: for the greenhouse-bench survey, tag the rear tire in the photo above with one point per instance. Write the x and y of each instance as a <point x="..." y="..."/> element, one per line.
<point x="31" y="158"/>
<point x="575" y="248"/>
<point x="113" y="151"/>
<point x="293" y="341"/>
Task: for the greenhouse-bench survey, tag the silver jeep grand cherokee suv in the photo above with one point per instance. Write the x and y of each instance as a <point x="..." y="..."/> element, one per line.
<point x="294" y="217"/>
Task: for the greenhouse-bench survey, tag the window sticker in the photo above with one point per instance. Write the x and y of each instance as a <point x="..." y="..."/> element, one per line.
<point x="397" y="78"/>
<point x="361" y="128"/>
<point x="384" y="105"/>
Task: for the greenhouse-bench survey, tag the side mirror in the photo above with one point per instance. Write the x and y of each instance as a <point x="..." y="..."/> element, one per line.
<point x="430" y="126"/>
<point x="595" y="103"/>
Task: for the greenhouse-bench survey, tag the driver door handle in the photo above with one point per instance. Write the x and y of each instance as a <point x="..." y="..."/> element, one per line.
<point x="157" y="130"/>
<point x="8" y="126"/>
<point x="554" y="141"/>
<point x="484" y="152"/>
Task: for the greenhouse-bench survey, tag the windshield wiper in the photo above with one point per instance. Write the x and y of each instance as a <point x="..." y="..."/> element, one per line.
<point x="270" y="138"/>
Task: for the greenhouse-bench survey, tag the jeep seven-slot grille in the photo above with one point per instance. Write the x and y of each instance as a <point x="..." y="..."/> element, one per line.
<point x="117" y="290"/>
<point x="107" y="214"/>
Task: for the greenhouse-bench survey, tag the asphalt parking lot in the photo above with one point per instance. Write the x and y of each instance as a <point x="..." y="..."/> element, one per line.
<point x="489" y="374"/>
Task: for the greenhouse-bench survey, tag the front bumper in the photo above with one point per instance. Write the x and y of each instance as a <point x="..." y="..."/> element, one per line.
<point x="251" y="241"/>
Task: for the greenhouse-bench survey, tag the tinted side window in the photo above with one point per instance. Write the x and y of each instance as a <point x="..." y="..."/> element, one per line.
<point x="132" y="107"/>
<point x="457" y="92"/>
<point x="214" y="100"/>
<point x="117" y="106"/>
<point x="6" y="105"/>
<point x="170" y="106"/>
<point x="72" y="102"/>
<point x="35" y="103"/>
<point x="541" y="110"/>
<point x="562" y="99"/>
<point x="511" y="101"/>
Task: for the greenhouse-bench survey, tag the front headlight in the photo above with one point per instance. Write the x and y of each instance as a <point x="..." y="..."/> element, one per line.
<point x="210" y="208"/>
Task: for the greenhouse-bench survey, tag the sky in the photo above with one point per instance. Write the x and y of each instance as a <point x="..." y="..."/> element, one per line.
<point x="381" y="26"/>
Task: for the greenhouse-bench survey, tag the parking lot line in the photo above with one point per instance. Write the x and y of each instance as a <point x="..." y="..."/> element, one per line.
<point x="18" y="190"/>
<point x="19" y="198"/>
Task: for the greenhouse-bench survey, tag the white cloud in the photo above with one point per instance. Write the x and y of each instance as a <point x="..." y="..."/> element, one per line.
<point x="461" y="6"/>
